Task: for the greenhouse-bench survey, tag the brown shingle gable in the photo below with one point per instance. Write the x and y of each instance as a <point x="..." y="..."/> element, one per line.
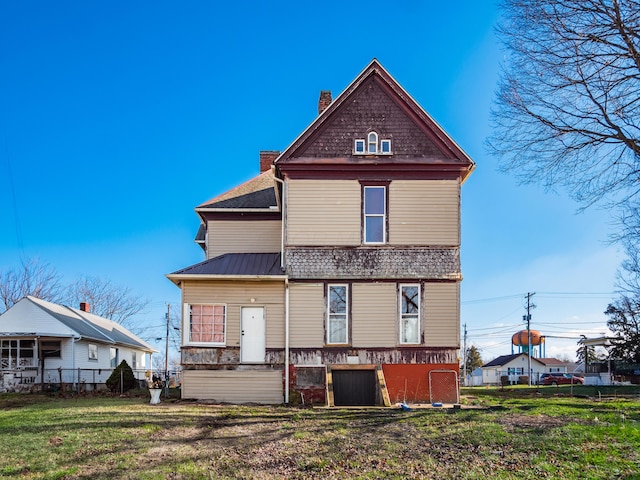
<point x="375" y="101"/>
<point x="373" y="108"/>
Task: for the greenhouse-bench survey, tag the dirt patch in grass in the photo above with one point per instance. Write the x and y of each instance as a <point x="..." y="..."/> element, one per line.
<point x="514" y="421"/>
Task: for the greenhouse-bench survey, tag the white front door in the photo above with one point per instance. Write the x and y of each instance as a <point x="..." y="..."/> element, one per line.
<point x="252" y="335"/>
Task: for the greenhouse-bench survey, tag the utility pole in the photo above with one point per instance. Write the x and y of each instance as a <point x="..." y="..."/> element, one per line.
<point x="527" y="318"/>
<point x="166" y="354"/>
<point x="464" y="364"/>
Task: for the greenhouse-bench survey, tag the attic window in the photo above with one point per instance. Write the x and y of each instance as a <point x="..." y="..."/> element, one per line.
<point x="372" y="145"/>
<point x="372" y="142"/>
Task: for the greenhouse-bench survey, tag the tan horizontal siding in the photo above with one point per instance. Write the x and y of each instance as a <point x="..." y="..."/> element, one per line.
<point x="374" y="315"/>
<point x="306" y="327"/>
<point x="424" y="212"/>
<point x="226" y="236"/>
<point x="235" y="295"/>
<point x="234" y="386"/>
<point x="442" y="314"/>
<point x="323" y="212"/>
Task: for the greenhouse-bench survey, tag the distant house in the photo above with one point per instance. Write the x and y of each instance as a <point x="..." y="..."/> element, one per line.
<point x="334" y="275"/>
<point x="42" y="342"/>
<point x="515" y="366"/>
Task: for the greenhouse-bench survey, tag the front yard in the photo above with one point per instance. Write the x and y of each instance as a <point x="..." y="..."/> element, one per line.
<point x="497" y="434"/>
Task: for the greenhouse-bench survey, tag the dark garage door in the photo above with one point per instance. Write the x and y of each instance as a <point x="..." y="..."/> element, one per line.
<point x="354" y="387"/>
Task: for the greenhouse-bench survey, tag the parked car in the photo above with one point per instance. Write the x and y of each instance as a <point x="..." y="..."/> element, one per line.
<point x="560" y="379"/>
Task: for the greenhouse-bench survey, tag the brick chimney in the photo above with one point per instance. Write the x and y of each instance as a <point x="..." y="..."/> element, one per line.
<point x="266" y="159"/>
<point x="85" y="307"/>
<point x="325" y="100"/>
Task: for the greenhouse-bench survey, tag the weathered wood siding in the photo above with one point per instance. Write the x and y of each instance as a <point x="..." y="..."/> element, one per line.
<point x="256" y="236"/>
<point x="424" y="212"/>
<point x="442" y="314"/>
<point x="323" y="212"/>
<point x="306" y="317"/>
<point x="234" y="386"/>
<point x="238" y="294"/>
<point x="374" y="314"/>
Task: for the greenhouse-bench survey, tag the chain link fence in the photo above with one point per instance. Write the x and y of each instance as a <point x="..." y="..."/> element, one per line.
<point x="78" y="380"/>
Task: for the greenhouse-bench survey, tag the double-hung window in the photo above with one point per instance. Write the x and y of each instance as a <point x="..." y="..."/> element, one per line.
<point x="338" y="314"/>
<point x="93" y="351"/>
<point x="409" y="313"/>
<point x="375" y="214"/>
<point x="206" y="324"/>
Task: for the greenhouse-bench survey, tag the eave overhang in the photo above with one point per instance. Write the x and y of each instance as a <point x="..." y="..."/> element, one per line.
<point x="178" y="279"/>
<point x="374" y="168"/>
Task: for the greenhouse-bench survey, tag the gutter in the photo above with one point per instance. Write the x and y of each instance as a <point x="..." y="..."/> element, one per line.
<point x="194" y="276"/>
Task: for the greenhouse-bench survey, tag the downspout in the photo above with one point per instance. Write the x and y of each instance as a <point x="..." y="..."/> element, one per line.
<point x="73" y="362"/>
<point x="286" y="341"/>
<point x="286" y="286"/>
<point x="282" y="211"/>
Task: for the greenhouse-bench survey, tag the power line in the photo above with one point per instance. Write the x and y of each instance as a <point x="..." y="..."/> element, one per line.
<point x="495" y="299"/>
<point x="542" y="294"/>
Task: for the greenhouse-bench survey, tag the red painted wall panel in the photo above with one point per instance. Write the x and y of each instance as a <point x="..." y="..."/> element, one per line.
<point x="410" y="383"/>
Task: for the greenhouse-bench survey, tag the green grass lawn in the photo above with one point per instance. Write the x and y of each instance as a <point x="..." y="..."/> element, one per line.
<point x="512" y="433"/>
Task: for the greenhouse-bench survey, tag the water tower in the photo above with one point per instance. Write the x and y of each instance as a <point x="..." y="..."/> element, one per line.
<point x="521" y="340"/>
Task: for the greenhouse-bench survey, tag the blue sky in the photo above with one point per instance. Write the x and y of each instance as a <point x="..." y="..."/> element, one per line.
<point x="118" y="118"/>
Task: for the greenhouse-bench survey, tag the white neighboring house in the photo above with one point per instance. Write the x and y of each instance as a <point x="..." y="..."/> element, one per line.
<point x="513" y="366"/>
<point x="43" y="343"/>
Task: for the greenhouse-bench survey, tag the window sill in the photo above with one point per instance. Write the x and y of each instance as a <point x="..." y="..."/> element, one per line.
<point x="367" y="154"/>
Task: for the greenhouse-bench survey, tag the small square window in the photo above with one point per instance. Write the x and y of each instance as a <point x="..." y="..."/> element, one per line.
<point x="385" y="146"/>
<point x="359" y="146"/>
<point x="206" y="323"/>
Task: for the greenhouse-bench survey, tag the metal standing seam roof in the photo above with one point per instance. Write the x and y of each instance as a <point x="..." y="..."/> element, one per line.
<point x="90" y="326"/>
<point x="230" y="264"/>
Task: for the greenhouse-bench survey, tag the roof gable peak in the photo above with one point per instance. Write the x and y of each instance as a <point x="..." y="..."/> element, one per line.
<point x="390" y="107"/>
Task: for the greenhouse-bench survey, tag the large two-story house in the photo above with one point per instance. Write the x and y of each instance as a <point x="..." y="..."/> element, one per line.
<point x="334" y="275"/>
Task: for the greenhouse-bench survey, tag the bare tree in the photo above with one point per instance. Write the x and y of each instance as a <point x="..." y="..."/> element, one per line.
<point x="568" y="103"/>
<point x="567" y="111"/>
<point x="33" y="277"/>
<point x="107" y="300"/>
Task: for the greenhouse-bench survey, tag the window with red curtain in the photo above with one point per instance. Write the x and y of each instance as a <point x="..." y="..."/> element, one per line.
<point x="207" y="323"/>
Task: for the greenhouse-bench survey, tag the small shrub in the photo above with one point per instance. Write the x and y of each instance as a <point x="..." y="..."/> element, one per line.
<point x="128" y="379"/>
